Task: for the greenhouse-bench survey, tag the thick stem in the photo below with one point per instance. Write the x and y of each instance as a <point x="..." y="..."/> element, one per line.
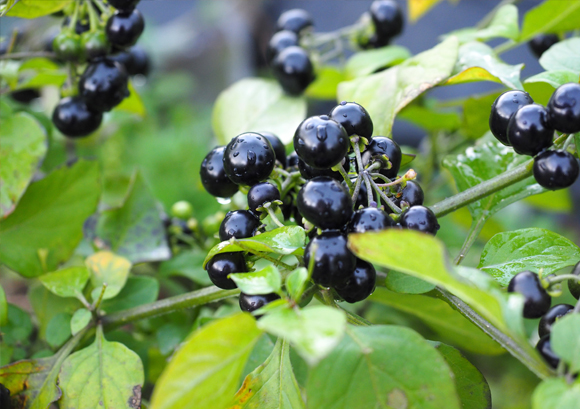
<point x="27" y="54"/>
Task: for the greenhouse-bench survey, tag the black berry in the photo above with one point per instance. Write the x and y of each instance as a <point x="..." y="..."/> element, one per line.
<point x="294" y="20"/>
<point x="544" y="347"/>
<point x="325" y="203"/>
<point x="564" y="108"/>
<point x="277" y="145"/>
<point x="537" y="301"/>
<point x="381" y="148"/>
<point x="360" y="284"/>
<point x="555" y="169"/>
<point x="213" y="175"/>
<point x="4" y="397"/>
<point x="280" y="41"/>
<point x="354" y="118"/>
<point x="25" y="95"/>
<point x="574" y="285"/>
<point x="387" y="18"/>
<point x="540" y="43"/>
<point x="251" y="303"/>
<point x="74" y="118"/>
<point x="249" y="158"/>
<point x="260" y="194"/>
<point x="104" y="84"/>
<point x="239" y="224"/>
<point x="123" y="4"/>
<point x="135" y="60"/>
<point x="419" y="218"/>
<point x="308" y="172"/>
<point x="412" y="194"/>
<point x="529" y="130"/>
<point x="502" y="110"/>
<point x="125" y="27"/>
<point x="292" y="161"/>
<point x="293" y="70"/>
<point x="333" y="263"/>
<point x="321" y="142"/>
<point x="223" y="264"/>
<point x="369" y="219"/>
<point x="553" y="314"/>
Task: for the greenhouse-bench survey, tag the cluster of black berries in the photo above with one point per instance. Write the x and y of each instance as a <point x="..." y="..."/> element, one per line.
<point x="104" y="39"/>
<point x="388" y="22"/>
<point x="529" y="128"/>
<point x="537" y="304"/>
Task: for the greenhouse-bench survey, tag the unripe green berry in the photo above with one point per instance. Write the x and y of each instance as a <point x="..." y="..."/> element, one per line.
<point x="182" y="210"/>
<point x="94" y="44"/>
<point x="67" y="46"/>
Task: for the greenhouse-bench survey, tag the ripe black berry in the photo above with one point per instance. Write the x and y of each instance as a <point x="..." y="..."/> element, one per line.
<point x="213" y="175"/>
<point x="308" y="172"/>
<point x="540" y="43"/>
<point x="280" y="41"/>
<point x="380" y="147"/>
<point x="556" y="169"/>
<point x="4" y="397"/>
<point x="574" y="285"/>
<point x="387" y="18"/>
<point x="293" y="70"/>
<point x="125" y="27"/>
<point x="553" y="314"/>
<point x="223" y="264"/>
<point x="321" y="142"/>
<point x="81" y="26"/>
<point x="412" y="194"/>
<point x="261" y="194"/>
<point x="529" y="130"/>
<point x="564" y="108"/>
<point x="325" y="203"/>
<point x="277" y="145"/>
<point x="502" y="110"/>
<point x="537" y="301"/>
<point x="251" y="303"/>
<point x="25" y="96"/>
<point x="104" y="85"/>
<point x="74" y="118"/>
<point x="369" y="218"/>
<point x="360" y="284"/>
<point x="333" y="262"/>
<point x="249" y="159"/>
<point x="544" y="347"/>
<point x="292" y="161"/>
<point x="123" y="4"/>
<point x="419" y="218"/>
<point x="354" y="118"/>
<point x="94" y="45"/>
<point x="239" y="224"/>
<point x="294" y="20"/>
<point x="135" y="60"/>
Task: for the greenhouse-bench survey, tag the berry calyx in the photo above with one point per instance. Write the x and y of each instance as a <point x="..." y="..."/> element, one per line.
<point x="553" y="314"/>
<point x="280" y="41"/>
<point x="295" y="20"/>
<point x="540" y="43"/>
<point x="125" y="27"/>
<point x="325" y="203"/>
<point x="564" y="108"/>
<point x="104" y="84"/>
<point x="503" y="109"/>
<point x="213" y="175"/>
<point x="387" y="18"/>
<point x="333" y="262"/>
<point x="419" y="218"/>
<point x="360" y="285"/>
<point x="369" y="219"/>
<point x="381" y="148"/>
<point x="529" y="130"/>
<point x="544" y="347"/>
<point x="354" y="118"/>
<point x="251" y="303"/>
<point x="321" y="142"/>
<point x="239" y="224"/>
<point x="556" y="169"/>
<point x="293" y="70"/>
<point x="249" y="158"/>
<point x="537" y="301"/>
<point x="74" y="118"/>
<point x="412" y="195"/>
<point x="223" y="264"/>
<point x="260" y="194"/>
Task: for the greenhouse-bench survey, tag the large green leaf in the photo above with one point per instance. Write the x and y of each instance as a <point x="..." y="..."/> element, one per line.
<point x="504" y="24"/>
<point x="58" y="330"/>
<point x="563" y="56"/>
<point x="429" y="119"/>
<point x="22" y="147"/>
<point x="476" y="115"/>
<point x="324" y="86"/>
<point x="565" y="340"/>
<point x="135" y="229"/>
<point x="552" y="16"/>
<point x="509" y="253"/>
<point x="187" y="264"/>
<point x="554" y="78"/>
<point x="254" y="105"/>
<point x="382" y="367"/>
<point x="137" y="291"/>
<point x="556" y="393"/>
<point x="33" y="8"/>
<point x="385" y="93"/>
<point x="272" y="385"/>
<point x="406" y="284"/>
<point x="369" y="61"/>
<point x="110" y="269"/>
<point x="204" y="372"/>
<point x="18" y="328"/>
<point x="103" y="375"/>
<point x="441" y="318"/>
<point x="47" y="225"/>
<point x="68" y="282"/>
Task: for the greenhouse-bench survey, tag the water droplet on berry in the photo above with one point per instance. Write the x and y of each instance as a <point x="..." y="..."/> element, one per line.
<point x="235" y="155"/>
<point x="251" y="157"/>
<point x="343" y="103"/>
<point x="321" y="133"/>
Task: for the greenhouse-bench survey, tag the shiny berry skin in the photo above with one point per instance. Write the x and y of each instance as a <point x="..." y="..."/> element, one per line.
<point x="74" y="118"/>
<point x="540" y="43"/>
<point x="387" y="18"/>
<point x="223" y="264"/>
<point x="553" y="314"/>
<point x="419" y="218"/>
<point x="280" y="41"/>
<point x="260" y="194"/>
<point x="379" y="146"/>
<point x="502" y="110"/>
<point x="94" y="45"/>
<point x="564" y="108"/>
<point x="104" y="84"/>
<point x="239" y="224"/>
<point x="4" y="397"/>
<point x="412" y="194"/>
<point x="354" y="118"/>
<point x="537" y="301"/>
<point x="333" y="262"/>
<point x="321" y="142"/>
<point x="544" y="347"/>
<point x="573" y="285"/>
<point x="123" y="4"/>
<point x="292" y="161"/>
<point x="67" y="46"/>
<point x="308" y="172"/>
<point x="135" y="60"/>
<point x="369" y="219"/>
<point x="293" y="70"/>
<point x="213" y="175"/>
<point x="555" y="170"/>
<point x="325" y="203"/>
<point x="294" y="20"/>
<point x="125" y="27"/>
<point x="529" y="131"/>
<point x="277" y="145"/>
<point x="249" y="158"/>
<point x="251" y="303"/>
<point x="360" y="284"/>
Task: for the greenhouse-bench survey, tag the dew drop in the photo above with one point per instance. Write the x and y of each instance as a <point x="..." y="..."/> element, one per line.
<point x="236" y="154"/>
<point x="223" y="200"/>
<point x="251" y="157"/>
<point x="321" y="133"/>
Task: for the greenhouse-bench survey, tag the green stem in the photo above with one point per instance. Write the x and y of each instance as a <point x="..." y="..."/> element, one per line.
<point x="354" y="319"/>
<point x="93" y="17"/>
<point x="367" y="180"/>
<point x="262" y="255"/>
<point x="562" y="277"/>
<point x="274" y="217"/>
<point x="27" y="54"/>
<point x="344" y="175"/>
<point x="385" y="198"/>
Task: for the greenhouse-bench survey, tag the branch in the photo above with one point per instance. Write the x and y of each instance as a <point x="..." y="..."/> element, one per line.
<point x="25" y="55"/>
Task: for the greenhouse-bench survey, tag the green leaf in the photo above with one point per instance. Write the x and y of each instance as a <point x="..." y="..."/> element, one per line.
<point x="503" y="25"/>
<point x="3" y="308"/>
<point x="563" y="56"/>
<point x="404" y="283"/>
<point x="110" y="269"/>
<point x="22" y="147"/>
<point x="264" y="281"/>
<point x="552" y="200"/>
<point x="312" y="331"/>
<point x="46" y="305"/>
<point x="68" y="282"/>
<point x="283" y="240"/>
<point x="552" y="16"/>
<point x="554" y="78"/>
<point x="80" y="319"/>
<point x="187" y="264"/>
<point x="472" y="387"/>
<point x="448" y="323"/>
<point x="137" y="291"/>
<point x="133" y="103"/>
<point x="58" y="330"/>
<point x="556" y="393"/>
<point x="135" y="229"/>
<point x="324" y="86"/>
<point x="429" y="119"/>
<point x="385" y="93"/>
<point x="478" y="62"/>
<point x="34" y="8"/>
<point x="170" y="335"/>
<point x="382" y="367"/>
<point x="272" y="385"/>
<point x="204" y="372"/>
<point x="254" y="105"/>
<point x="47" y="225"/>
<point x="296" y="283"/>
<point x="476" y="109"/>
<point x="105" y="374"/>
<point x="18" y="328"/>
<point x="367" y="62"/>
<point x="565" y="340"/>
<point x="508" y="253"/>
